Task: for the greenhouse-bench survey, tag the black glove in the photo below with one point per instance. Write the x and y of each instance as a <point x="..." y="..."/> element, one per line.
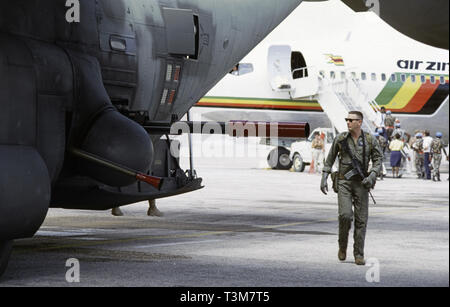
<point x="323" y="183"/>
<point x="369" y="182"/>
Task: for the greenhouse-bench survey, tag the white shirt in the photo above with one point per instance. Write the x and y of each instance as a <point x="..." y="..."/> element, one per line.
<point x="427" y="143"/>
<point x="380" y="119"/>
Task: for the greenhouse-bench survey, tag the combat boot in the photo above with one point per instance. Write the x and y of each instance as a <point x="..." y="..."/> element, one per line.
<point x="116" y="211"/>
<point x="439" y="177"/>
<point x="434" y="178"/>
<point x="360" y="261"/>
<point x="342" y="254"/>
<point x="154" y="212"/>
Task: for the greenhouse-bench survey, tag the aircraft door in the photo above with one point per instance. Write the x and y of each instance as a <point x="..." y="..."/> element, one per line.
<point x="305" y="78"/>
<point x="288" y="72"/>
<point x="279" y="68"/>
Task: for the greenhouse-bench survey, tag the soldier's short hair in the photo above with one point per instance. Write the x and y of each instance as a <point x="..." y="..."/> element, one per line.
<point x="360" y="115"/>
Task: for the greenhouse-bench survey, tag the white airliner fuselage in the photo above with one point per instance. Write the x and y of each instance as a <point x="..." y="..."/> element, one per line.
<point x="332" y="63"/>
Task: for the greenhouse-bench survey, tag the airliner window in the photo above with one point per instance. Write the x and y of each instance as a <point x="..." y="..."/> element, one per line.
<point x="354" y="75"/>
<point x="343" y="75"/>
<point x="423" y="79"/>
<point x="363" y="76"/>
<point x="332" y="75"/>
<point x="442" y="79"/>
<point x="383" y="77"/>
<point x="433" y="79"/>
<point x="403" y="78"/>
<point x="374" y="77"/>
<point x="394" y="78"/>
<point x="413" y="79"/>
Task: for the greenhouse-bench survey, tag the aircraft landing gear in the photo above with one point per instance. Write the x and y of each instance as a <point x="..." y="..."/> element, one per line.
<point x="279" y="159"/>
<point x="5" y="252"/>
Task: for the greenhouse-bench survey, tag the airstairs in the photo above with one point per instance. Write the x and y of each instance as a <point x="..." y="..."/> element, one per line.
<point x="338" y="97"/>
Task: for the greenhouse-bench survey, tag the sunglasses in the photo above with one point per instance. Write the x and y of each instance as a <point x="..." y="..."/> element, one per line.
<point x="351" y="119"/>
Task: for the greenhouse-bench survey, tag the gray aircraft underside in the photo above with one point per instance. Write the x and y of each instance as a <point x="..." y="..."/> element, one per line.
<point x="85" y="82"/>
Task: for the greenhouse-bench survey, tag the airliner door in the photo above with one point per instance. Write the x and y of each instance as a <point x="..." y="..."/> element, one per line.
<point x="279" y="68"/>
<point x="288" y="72"/>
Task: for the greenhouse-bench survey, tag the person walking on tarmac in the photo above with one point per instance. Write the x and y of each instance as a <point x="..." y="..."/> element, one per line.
<point x="355" y="149"/>
<point x="436" y="150"/>
<point x="427" y="154"/>
<point x="419" y="159"/>
<point x="396" y="148"/>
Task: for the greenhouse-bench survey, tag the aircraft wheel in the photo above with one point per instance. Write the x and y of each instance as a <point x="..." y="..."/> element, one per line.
<point x="5" y="253"/>
<point x="298" y="164"/>
<point x="279" y="159"/>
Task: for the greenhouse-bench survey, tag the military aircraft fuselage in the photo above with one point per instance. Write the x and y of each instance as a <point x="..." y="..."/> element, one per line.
<point x="80" y="81"/>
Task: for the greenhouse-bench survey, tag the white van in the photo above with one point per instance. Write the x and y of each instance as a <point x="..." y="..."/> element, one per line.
<point x="301" y="151"/>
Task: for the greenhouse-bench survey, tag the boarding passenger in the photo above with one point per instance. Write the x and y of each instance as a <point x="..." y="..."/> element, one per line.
<point x="353" y="183"/>
<point x="389" y="123"/>
<point x="398" y="130"/>
<point x="379" y="123"/>
<point x="396" y="147"/>
<point x="427" y="154"/>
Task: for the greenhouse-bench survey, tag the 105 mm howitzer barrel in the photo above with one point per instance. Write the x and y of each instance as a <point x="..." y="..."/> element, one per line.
<point x="232" y="128"/>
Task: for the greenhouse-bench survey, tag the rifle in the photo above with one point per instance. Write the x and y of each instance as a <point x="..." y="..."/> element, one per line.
<point x="357" y="170"/>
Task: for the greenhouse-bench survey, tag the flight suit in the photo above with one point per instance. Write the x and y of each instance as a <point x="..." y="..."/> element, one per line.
<point x="352" y="193"/>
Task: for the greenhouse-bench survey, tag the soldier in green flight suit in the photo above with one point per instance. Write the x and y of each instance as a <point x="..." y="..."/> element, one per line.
<point x="355" y="149"/>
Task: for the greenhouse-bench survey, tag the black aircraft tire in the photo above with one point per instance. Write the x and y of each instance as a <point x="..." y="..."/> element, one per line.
<point x="5" y="253"/>
<point x="279" y="159"/>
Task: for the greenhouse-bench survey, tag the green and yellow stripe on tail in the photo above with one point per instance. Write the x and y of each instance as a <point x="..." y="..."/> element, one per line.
<point x="413" y="97"/>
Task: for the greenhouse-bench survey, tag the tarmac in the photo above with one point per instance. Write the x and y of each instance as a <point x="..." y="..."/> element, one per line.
<point x="249" y="227"/>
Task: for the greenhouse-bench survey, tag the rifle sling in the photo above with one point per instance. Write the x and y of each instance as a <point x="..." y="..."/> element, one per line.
<point x="349" y="152"/>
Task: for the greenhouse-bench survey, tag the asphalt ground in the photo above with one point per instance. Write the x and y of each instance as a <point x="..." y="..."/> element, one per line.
<point x="249" y="227"/>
